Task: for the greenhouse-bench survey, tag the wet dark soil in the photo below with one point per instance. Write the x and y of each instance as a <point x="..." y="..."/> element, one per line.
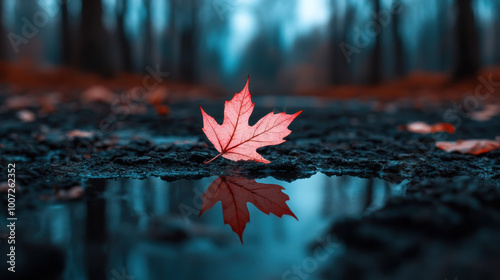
<point x="451" y="214"/>
<point x="335" y="138"/>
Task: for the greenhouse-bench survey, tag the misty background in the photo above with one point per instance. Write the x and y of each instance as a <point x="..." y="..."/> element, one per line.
<point x="284" y="45"/>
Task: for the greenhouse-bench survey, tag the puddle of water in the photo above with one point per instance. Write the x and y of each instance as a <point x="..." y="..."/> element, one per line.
<point x="124" y="138"/>
<point x="151" y="229"/>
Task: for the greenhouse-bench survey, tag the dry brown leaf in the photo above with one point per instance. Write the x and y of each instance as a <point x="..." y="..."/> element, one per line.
<point x="79" y="133"/>
<point x="26" y="116"/>
<point x="4" y="187"/>
<point x="19" y="102"/>
<point x="424" y="128"/>
<point x="488" y="112"/>
<point x="473" y="147"/>
<point x="158" y="96"/>
<point x="98" y="94"/>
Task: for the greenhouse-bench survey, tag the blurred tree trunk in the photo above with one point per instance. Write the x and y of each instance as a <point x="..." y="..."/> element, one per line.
<point x="467" y="52"/>
<point x="94" y="53"/>
<point x="442" y="9"/>
<point x="496" y="28"/>
<point x="173" y="34"/>
<point x="168" y="40"/>
<point x="375" y="60"/>
<point x="399" y="66"/>
<point x="66" y="46"/>
<point x="148" y="40"/>
<point x="334" y="42"/>
<point x="188" y="42"/>
<point x="121" y="12"/>
<point x="3" y="33"/>
<point x="340" y="62"/>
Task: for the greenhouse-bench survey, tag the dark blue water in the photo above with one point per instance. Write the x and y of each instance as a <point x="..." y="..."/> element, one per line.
<point x="150" y="229"/>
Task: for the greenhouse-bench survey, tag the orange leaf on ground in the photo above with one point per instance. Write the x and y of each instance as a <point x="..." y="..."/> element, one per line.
<point x="424" y="128"/>
<point x="26" y="116"/>
<point x="158" y="96"/>
<point x="234" y="193"/>
<point x="98" y="94"/>
<point x="473" y="147"/>
<point x="235" y="139"/>
<point x="488" y="112"/>
<point x="79" y="133"/>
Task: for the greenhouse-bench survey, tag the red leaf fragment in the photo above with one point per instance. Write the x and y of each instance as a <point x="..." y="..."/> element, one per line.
<point x="235" y="192"/>
<point x="473" y="147"/>
<point x="424" y="128"/>
<point x="235" y="139"/>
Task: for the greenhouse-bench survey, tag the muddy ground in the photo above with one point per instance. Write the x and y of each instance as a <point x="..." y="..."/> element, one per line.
<point x="451" y="210"/>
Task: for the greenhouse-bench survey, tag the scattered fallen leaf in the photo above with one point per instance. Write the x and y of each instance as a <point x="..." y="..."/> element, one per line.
<point x="79" y="133"/>
<point x="158" y="96"/>
<point x="488" y="112"/>
<point x="48" y="103"/>
<point x="424" y="128"/>
<point x="4" y="187"/>
<point x="137" y="109"/>
<point x="162" y="109"/>
<point x="26" y="116"/>
<point x="235" y="139"/>
<point x="19" y="102"/>
<point x="98" y="94"/>
<point x="473" y="147"/>
<point x="235" y="192"/>
<point x="75" y="192"/>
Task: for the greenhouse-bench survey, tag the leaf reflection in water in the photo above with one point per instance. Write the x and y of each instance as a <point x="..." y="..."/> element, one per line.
<point x="235" y="192"/>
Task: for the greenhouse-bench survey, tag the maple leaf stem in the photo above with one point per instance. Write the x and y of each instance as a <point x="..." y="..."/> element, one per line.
<point x="206" y="162"/>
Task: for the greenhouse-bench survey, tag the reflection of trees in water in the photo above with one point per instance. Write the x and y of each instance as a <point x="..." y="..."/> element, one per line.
<point x="114" y="226"/>
<point x="369" y="194"/>
<point x="347" y="195"/>
<point x="95" y="232"/>
<point x="180" y="192"/>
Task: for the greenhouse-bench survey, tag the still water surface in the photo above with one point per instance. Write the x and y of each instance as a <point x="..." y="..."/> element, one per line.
<point x="151" y="229"/>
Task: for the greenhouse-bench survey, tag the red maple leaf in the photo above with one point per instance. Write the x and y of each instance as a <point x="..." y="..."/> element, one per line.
<point x="235" y="139"/>
<point x="473" y="147"/>
<point x="235" y="192"/>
